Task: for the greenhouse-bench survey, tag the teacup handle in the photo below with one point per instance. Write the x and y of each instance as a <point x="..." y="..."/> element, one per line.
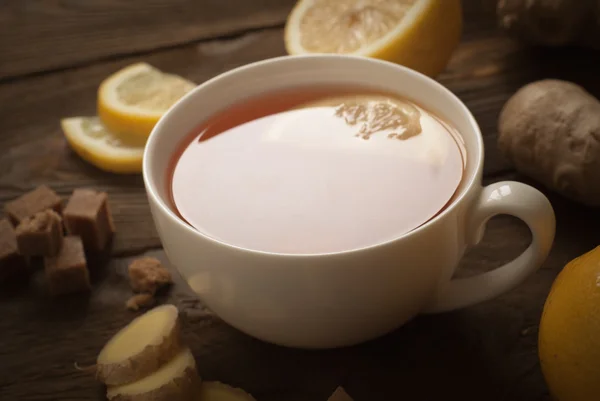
<point x="523" y="202"/>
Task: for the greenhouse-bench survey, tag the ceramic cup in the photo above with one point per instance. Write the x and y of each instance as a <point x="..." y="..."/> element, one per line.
<point x="343" y="298"/>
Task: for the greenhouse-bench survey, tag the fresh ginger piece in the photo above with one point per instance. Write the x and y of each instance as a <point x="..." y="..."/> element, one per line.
<point x="140" y="348"/>
<point x="216" y="391"/>
<point x="551" y="22"/>
<point x="176" y="380"/>
<point x="549" y="131"/>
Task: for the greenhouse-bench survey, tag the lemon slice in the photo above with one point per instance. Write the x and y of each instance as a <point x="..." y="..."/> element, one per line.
<point x="420" y="34"/>
<point x="94" y="143"/>
<point x="216" y="391"/>
<point x="133" y="99"/>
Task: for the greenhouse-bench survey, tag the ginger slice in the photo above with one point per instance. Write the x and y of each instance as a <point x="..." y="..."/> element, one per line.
<point x="177" y="380"/>
<point x="140" y="348"/>
<point x="217" y="391"/>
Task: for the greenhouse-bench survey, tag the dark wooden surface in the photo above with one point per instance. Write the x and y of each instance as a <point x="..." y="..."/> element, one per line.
<point x="53" y="55"/>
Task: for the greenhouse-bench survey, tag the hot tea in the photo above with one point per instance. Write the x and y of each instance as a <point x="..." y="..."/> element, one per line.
<point x="316" y="170"/>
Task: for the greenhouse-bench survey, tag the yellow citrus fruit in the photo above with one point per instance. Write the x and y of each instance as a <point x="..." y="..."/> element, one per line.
<point x="96" y="144"/>
<point x="419" y="34"/>
<point x="569" y="336"/>
<point x="133" y="99"/>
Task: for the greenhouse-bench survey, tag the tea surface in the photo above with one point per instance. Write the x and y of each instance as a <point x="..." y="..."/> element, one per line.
<point x="308" y="172"/>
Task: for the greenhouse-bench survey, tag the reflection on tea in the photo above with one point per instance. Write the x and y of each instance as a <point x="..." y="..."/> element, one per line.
<point x="316" y="170"/>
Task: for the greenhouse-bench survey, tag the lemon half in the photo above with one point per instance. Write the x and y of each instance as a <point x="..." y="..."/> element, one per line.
<point x="419" y="34"/>
<point x="133" y="99"/>
<point x="96" y="144"/>
<point x="570" y="329"/>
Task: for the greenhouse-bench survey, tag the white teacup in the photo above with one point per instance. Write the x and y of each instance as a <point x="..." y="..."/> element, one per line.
<point x="344" y="298"/>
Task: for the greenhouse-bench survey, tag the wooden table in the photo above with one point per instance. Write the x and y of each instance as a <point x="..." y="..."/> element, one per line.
<point x="53" y="55"/>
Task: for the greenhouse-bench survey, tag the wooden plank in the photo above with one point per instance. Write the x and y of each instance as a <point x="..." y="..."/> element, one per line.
<point x="37" y="152"/>
<point x="40" y="35"/>
<point x="74" y="329"/>
<point x="488" y="351"/>
<point x="483" y="73"/>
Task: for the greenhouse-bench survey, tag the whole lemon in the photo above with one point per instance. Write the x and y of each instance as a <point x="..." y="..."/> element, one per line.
<point x="569" y="336"/>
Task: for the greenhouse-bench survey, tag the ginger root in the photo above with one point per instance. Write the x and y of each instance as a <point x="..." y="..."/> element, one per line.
<point x="176" y="380"/>
<point x="551" y="22"/>
<point x="550" y="131"/>
<point x="141" y="347"/>
<point x="147" y="360"/>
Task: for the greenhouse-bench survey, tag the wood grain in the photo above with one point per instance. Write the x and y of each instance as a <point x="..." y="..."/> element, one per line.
<point x="483" y="352"/>
<point x="37" y="152"/>
<point x="486" y="352"/>
<point x="483" y="73"/>
<point x="41" y="35"/>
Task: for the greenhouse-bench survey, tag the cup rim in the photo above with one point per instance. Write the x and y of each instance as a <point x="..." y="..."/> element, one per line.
<point x="149" y="174"/>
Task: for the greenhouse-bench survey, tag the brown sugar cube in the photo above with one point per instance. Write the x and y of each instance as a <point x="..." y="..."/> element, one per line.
<point x="67" y="272"/>
<point x="40" y="234"/>
<point x="28" y="204"/>
<point x="339" y="395"/>
<point x="11" y="261"/>
<point x="87" y="215"/>
<point x="148" y="275"/>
